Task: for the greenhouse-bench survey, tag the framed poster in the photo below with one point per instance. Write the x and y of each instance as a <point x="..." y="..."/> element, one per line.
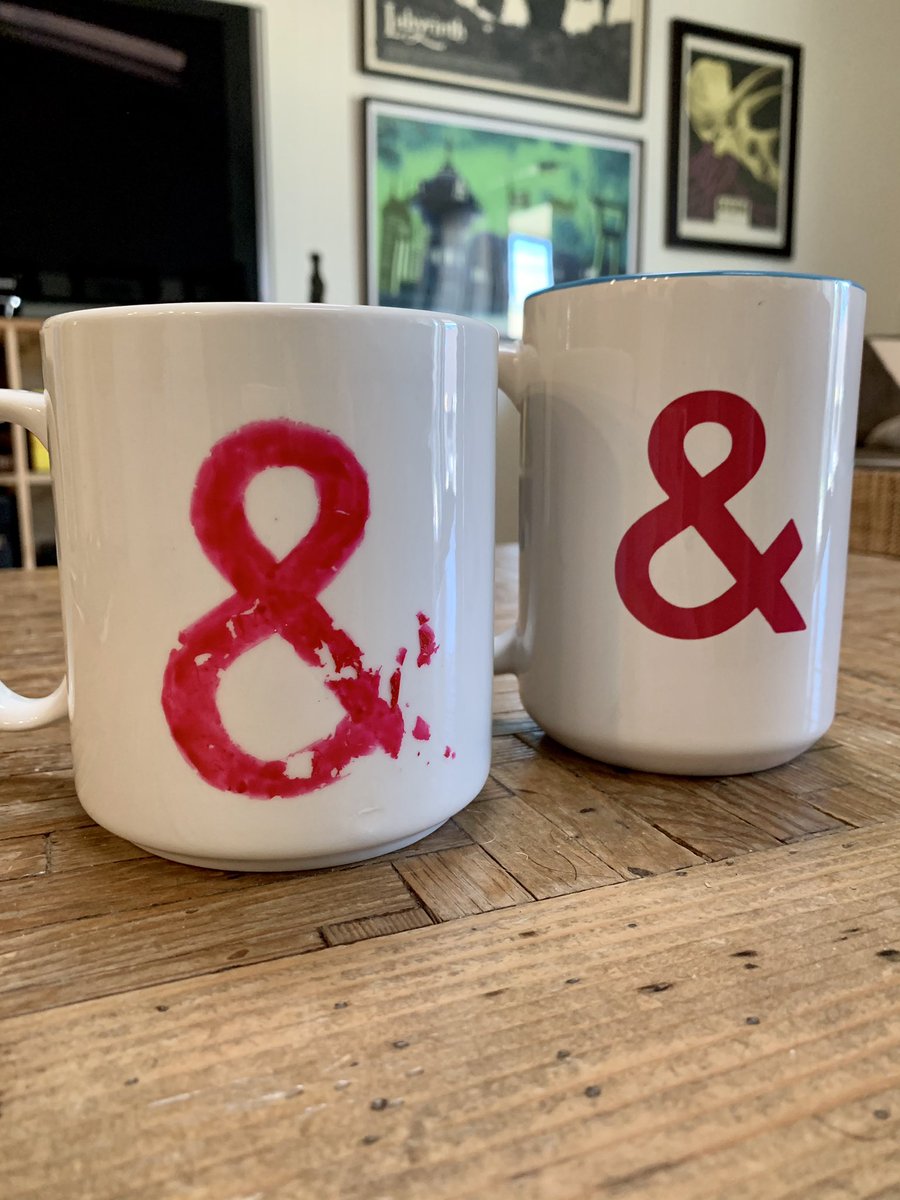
<point x="470" y="215"/>
<point x="733" y="140"/>
<point x="585" y="52"/>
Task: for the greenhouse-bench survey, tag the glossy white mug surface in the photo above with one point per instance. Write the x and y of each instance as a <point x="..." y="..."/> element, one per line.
<point x="687" y="461"/>
<point x="275" y="530"/>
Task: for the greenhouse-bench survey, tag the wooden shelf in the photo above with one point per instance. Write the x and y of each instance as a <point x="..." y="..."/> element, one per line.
<point x="20" y="338"/>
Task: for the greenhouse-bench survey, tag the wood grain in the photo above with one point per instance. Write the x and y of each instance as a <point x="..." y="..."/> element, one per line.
<point x="576" y="803"/>
<point x="532" y="849"/>
<point x="555" y="1049"/>
<point x="591" y="982"/>
<point x="23" y="856"/>
<point x="457" y="883"/>
<point x="342" y="933"/>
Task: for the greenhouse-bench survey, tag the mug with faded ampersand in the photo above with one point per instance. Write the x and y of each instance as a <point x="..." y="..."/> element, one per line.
<point x="275" y="528"/>
<point x="687" y="460"/>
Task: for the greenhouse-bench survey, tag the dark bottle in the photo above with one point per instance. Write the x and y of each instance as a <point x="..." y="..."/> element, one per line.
<point x="316" y="282"/>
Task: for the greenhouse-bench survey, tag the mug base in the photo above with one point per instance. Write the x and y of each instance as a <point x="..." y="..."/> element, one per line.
<point x="313" y="863"/>
<point x="671" y="761"/>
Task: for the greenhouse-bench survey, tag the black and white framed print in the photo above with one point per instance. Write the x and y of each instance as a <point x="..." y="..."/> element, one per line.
<point x="583" y="52"/>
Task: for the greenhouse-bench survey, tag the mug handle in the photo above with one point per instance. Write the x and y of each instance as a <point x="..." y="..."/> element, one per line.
<point x="511" y="381"/>
<point x="22" y="712"/>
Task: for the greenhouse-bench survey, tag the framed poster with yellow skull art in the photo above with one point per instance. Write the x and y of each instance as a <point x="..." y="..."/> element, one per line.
<point x="733" y="140"/>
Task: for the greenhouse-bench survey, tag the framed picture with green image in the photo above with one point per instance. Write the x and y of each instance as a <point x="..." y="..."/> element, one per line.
<point x="470" y="215"/>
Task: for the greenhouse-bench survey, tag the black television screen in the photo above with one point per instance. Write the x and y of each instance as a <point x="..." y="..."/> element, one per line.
<point x="130" y="151"/>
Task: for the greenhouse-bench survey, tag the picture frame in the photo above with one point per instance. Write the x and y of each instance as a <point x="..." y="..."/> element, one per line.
<point x="732" y="140"/>
<point x="588" y="53"/>
<point x="469" y="214"/>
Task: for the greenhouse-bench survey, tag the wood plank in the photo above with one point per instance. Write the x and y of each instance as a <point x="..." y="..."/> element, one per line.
<point x="784" y="1158"/>
<point x="32" y="661"/>
<point x="867" y="756"/>
<point x="130" y="887"/>
<point x="781" y="814"/>
<point x="23" y="856"/>
<point x="162" y="940"/>
<point x="512" y="1078"/>
<point x="45" y="751"/>
<point x="858" y="727"/>
<point x="104" y="956"/>
<point x="608" y="829"/>
<point x="109" y="888"/>
<point x="716" y="818"/>
<point x="447" y="837"/>
<point x="873" y="654"/>
<point x="510" y="748"/>
<point x="872" y="699"/>
<point x="89" y="846"/>
<point x="458" y="883"/>
<point x="343" y="933"/>
<point x="38" y="804"/>
<point x="534" y="850"/>
<point x="726" y="1029"/>
<point x="810" y="772"/>
<point x="853" y="804"/>
<point x="493" y="790"/>
<point x="507" y="702"/>
<point x="688" y="812"/>
<point x="514" y="722"/>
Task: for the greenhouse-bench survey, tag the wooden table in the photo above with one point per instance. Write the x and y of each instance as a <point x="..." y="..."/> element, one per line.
<point x="590" y="983"/>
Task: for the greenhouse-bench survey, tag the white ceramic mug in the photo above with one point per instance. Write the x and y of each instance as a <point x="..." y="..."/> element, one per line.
<point x="687" y="460"/>
<point x="275" y="528"/>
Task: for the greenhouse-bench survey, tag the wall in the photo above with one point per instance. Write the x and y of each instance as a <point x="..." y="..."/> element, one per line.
<point x="846" y="220"/>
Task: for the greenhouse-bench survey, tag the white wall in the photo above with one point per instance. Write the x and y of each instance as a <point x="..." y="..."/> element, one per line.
<point x="846" y="218"/>
<point x="847" y="221"/>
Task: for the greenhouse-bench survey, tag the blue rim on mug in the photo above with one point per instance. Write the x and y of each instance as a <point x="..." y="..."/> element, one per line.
<point x="573" y="283"/>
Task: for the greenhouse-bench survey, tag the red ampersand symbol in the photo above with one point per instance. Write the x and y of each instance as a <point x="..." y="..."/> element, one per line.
<point x="699" y="501"/>
<point x="274" y="596"/>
